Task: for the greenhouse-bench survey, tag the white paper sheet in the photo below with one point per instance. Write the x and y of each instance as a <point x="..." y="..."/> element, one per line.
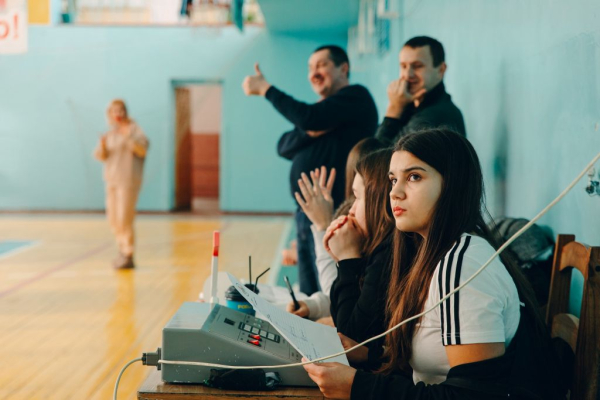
<point x="311" y="339"/>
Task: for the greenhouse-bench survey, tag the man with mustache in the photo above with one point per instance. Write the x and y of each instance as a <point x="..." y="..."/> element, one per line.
<point x="418" y="99"/>
<point x="323" y="134"/>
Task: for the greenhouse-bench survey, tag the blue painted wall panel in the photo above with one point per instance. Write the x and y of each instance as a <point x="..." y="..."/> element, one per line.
<point x="52" y="103"/>
<point x="525" y="75"/>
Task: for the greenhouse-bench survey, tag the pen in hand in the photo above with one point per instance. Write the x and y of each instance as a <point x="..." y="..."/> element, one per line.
<point x="289" y="286"/>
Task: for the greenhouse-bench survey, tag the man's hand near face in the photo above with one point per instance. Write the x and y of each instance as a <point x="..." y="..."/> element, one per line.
<point x="316" y="134"/>
<point x="256" y="85"/>
<point x="399" y="97"/>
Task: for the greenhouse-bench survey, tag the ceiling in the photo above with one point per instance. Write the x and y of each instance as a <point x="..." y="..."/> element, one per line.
<point x="309" y="16"/>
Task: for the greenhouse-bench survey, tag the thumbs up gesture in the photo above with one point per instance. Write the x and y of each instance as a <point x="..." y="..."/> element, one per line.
<point x="255" y="84"/>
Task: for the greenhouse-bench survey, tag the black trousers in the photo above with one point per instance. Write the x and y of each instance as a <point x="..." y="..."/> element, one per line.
<point x="307" y="268"/>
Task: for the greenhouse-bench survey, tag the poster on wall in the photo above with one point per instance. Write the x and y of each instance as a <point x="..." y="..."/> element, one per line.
<point x="13" y="26"/>
<point x="38" y="12"/>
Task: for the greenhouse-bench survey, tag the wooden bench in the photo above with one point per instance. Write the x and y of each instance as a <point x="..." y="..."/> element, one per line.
<point x="154" y="388"/>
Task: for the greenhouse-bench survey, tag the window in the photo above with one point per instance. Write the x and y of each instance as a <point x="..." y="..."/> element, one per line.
<point x="158" y="12"/>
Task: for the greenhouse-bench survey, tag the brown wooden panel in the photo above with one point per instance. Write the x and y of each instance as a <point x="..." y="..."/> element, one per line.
<point x="568" y="255"/>
<point x="575" y="255"/>
<point x="587" y="357"/>
<point x="560" y="284"/>
<point x="155" y="389"/>
<point x="205" y="150"/>
<point x="566" y="326"/>
<point x="183" y="153"/>
<point x="205" y="165"/>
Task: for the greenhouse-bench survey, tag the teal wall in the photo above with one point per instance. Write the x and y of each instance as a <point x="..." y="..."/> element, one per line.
<point x="52" y="103"/>
<point x="525" y="75"/>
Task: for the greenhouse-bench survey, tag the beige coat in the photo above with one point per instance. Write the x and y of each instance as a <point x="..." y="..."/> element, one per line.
<point x="123" y="157"/>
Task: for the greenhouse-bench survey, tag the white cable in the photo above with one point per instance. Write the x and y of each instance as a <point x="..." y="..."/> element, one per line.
<point x="501" y="249"/>
<point x="120" y="374"/>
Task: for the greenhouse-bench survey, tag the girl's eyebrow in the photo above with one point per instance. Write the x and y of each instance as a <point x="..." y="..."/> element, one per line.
<point x="391" y="173"/>
<point x="414" y="168"/>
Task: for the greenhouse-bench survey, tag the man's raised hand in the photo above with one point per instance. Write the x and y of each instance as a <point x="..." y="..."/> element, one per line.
<point x="255" y="85"/>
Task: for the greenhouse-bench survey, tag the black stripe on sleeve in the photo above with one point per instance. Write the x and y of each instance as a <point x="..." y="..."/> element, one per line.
<point x="441" y="268"/>
<point x="447" y="337"/>
<point x="459" y="263"/>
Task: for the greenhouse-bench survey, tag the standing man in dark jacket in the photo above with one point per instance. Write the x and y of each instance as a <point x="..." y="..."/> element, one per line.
<point x="418" y="99"/>
<point x="323" y="134"/>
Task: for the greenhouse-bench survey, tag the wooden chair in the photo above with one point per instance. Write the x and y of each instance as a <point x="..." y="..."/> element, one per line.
<point x="583" y="334"/>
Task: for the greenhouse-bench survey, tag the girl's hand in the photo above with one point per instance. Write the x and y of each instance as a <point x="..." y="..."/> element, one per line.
<point x="303" y="311"/>
<point x="316" y="200"/>
<point x="356" y="356"/>
<point x="346" y="241"/>
<point x="334" y="379"/>
<point x="325" y="184"/>
<point x="333" y="227"/>
<point x="326" y="321"/>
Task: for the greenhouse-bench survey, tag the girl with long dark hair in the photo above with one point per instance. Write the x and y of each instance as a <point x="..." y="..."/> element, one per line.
<point x="486" y="341"/>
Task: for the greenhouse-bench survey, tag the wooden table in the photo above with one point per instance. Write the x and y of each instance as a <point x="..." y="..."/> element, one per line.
<point x="155" y="389"/>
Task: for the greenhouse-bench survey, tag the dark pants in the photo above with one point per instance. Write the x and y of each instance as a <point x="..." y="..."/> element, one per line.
<point x="307" y="268"/>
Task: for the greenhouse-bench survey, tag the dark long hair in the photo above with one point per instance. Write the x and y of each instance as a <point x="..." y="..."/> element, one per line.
<point x="373" y="168"/>
<point x="459" y="209"/>
<point x="360" y="149"/>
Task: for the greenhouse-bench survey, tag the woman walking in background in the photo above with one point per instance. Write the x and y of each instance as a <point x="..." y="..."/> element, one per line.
<point x="122" y="150"/>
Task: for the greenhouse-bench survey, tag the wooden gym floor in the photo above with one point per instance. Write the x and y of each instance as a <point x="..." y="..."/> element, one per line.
<point x="69" y="323"/>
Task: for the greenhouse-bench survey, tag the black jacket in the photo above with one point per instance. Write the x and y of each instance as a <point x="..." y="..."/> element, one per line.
<point x="527" y="371"/>
<point x="358" y="298"/>
<point x="349" y="116"/>
<point x="436" y="110"/>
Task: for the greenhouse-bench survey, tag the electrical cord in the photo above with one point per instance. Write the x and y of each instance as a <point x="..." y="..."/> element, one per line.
<point x="121" y="374"/>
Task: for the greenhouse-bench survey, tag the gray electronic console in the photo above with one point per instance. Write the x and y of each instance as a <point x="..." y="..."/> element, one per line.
<point x="220" y="335"/>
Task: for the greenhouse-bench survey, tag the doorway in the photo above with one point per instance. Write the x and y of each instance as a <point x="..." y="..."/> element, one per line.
<point x="197" y="139"/>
